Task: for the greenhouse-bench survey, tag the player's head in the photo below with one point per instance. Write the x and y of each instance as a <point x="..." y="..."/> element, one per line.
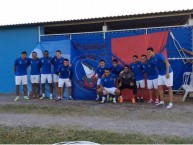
<point x="34" y="55"/>
<point x="143" y="58"/>
<point x="58" y="53"/>
<point x="135" y="58"/>
<point x="115" y="62"/>
<point x="66" y="62"/>
<point x="126" y="68"/>
<point x="46" y="53"/>
<point x="102" y="63"/>
<point x="107" y="72"/>
<point x="150" y="52"/>
<point x="23" y="54"/>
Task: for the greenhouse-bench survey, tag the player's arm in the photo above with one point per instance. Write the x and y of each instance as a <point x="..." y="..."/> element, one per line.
<point x="133" y="81"/>
<point x="167" y="68"/>
<point x="189" y="61"/>
<point x="186" y="51"/>
<point x="14" y="68"/>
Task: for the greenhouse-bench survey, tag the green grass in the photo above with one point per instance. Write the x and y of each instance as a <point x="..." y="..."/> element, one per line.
<point x="36" y="135"/>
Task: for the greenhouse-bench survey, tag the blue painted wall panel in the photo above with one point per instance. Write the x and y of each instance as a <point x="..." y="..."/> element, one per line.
<point x="12" y="42"/>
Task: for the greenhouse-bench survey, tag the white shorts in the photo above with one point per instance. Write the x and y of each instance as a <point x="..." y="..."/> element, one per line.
<point x="110" y="90"/>
<point x="162" y="80"/>
<point x="98" y="81"/>
<point x="21" y="80"/>
<point x="45" y="77"/>
<point x="140" y="84"/>
<point x="35" y="78"/>
<point x="55" y="78"/>
<point x="61" y="82"/>
<point x="152" y="84"/>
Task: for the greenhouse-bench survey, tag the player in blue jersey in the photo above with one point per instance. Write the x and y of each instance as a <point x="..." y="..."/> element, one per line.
<point x="107" y="86"/>
<point x="152" y="78"/>
<point x="137" y="69"/>
<point x="20" y="70"/>
<point x="56" y="61"/>
<point x="116" y="69"/>
<point x="35" y="75"/>
<point x="46" y="73"/>
<point x="165" y="75"/>
<point x="99" y="73"/>
<point x="64" y="72"/>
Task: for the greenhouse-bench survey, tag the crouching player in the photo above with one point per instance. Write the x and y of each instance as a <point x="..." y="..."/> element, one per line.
<point x="128" y="81"/>
<point x="64" y="72"/>
<point x="107" y="86"/>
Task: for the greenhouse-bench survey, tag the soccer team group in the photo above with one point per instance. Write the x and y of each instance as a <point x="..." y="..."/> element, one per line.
<point x="110" y="80"/>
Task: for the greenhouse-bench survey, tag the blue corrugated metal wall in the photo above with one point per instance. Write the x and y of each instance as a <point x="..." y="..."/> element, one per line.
<point x="12" y="42"/>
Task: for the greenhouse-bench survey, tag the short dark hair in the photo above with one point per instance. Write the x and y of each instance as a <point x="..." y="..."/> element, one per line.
<point x="102" y="60"/>
<point x="144" y="55"/>
<point x="126" y="66"/>
<point x="65" y="59"/>
<point x="115" y="60"/>
<point x="24" y="52"/>
<point x="135" y="56"/>
<point x="150" y="48"/>
<point x="34" y="52"/>
<point x="107" y="69"/>
<point x="45" y="51"/>
<point x="58" y="51"/>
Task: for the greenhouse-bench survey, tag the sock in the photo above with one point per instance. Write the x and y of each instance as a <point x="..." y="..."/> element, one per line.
<point x="114" y="99"/>
<point x="50" y="95"/>
<point x="43" y="95"/>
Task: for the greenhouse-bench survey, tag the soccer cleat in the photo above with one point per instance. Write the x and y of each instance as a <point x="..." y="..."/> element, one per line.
<point x="16" y="99"/>
<point x="51" y="98"/>
<point x="150" y="101"/>
<point x="141" y="100"/>
<point x="42" y="98"/>
<point x="121" y="99"/>
<point x="138" y="100"/>
<point x="170" y="105"/>
<point x="26" y="97"/>
<point x="70" y="98"/>
<point x="114" y="101"/>
<point x="161" y="103"/>
<point x="58" y="99"/>
<point x="133" y="100"/>
<point x="156" y="101"/>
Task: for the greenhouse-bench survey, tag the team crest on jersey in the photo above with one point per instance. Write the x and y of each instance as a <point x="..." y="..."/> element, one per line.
<point x="84" y="71"/>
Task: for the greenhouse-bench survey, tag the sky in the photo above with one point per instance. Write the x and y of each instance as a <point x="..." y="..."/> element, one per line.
<point x="29" y="11"/>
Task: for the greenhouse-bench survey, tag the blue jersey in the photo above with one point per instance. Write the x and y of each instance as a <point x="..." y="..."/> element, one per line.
<point x="21" y="66"/>
<point x="64" y="71"/>
<point x="35" y="66"/>
<point x="56" y="62"/>
<point x="108" y="82"/>
<point x="158" y="61"/>
<point x="46" y="63"/>
<point x="150" y="70"/>
<point x="100" y="71"/>
<point x="137" y="69"/>
<point x="116" y="70"/>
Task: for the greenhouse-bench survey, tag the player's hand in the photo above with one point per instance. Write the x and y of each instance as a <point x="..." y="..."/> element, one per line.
<point x="106" y="92"/>
<point x="131" y="84"/>
<point x="188" y="60"/>
<point x="182" y="49"/>
<point x="120" y="84"/>
<point x="167" y="75"/>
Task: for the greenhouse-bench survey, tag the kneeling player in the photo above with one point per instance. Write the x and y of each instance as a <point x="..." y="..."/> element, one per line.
<point x="128" y="81"/>
<point x="107" y="86"/>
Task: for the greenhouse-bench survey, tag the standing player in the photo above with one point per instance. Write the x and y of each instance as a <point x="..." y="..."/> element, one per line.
<point x="128" y="81"/>
<point x="64" y="72"/>
<point x="107" y="86"/>
<point x="56" y="61"/>
<point x="137" y="69"/>
<point x="46" y="74"/>
<point x="165" y="75"/>
<point x="152" y="76"/>
<point x="99" y="73"/>
<point x="35" y="75"/>
<point x="116" y="69"/>
<point x="20" y="70"/>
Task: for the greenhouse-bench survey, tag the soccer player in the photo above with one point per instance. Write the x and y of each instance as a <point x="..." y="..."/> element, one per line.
<point x="137" y="69"/>
<point x="107" y="86"/>
<point x="46" y="74"/>
<point x="165" y="75"/>
<point x="128" y="81"/>
<point x="64" y="72"/>
<point x="35" y="75"/>
<point x="20" y="70"/>
<point x="152" y="77"/>
<point x="56" y="61"/>
<point x="99" y="73"/>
